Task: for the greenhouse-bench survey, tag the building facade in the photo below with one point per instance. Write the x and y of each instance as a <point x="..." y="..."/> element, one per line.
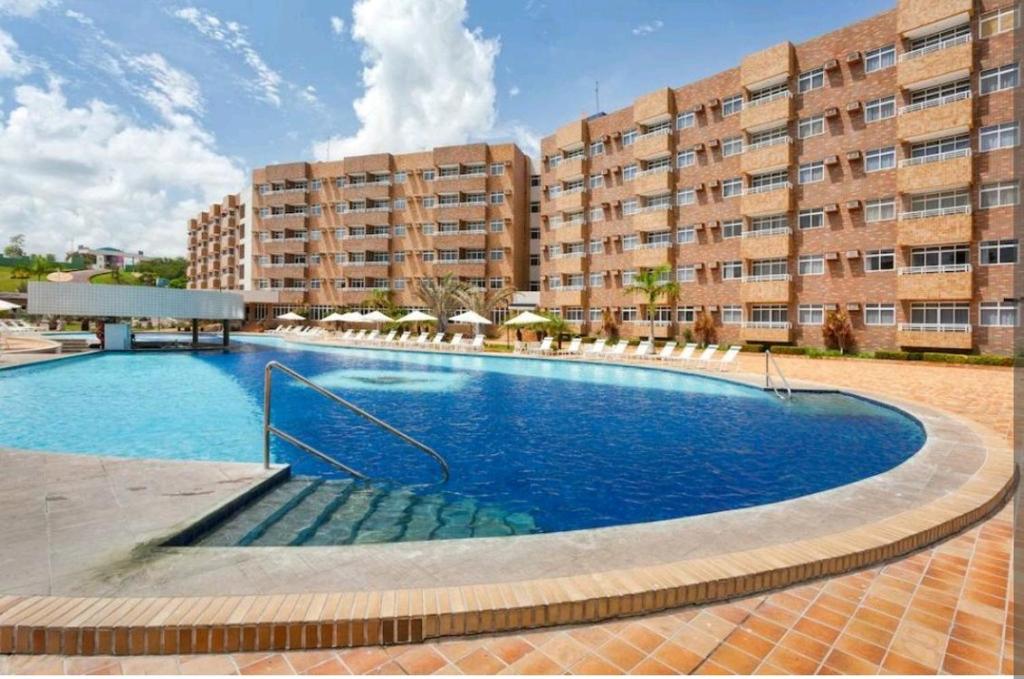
<point x="331" y="234"/>
<point x="870" y="171"/>
<point x="217" y="246"/>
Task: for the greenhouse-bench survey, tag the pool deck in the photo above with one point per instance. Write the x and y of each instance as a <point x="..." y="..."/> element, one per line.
<point x="568" y="577"/>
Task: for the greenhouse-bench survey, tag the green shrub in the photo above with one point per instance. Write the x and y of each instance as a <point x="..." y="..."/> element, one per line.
<point x="792" y="351"/>
<point x="933" y="357"/>
<point x="991" y="360"/>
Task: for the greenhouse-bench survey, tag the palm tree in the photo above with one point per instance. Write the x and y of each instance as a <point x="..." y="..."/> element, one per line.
<point x="441" y="296"/>
<point x="654" y="284"/>
<point x="555" y="326"/>
<point x="40" y="267"/>
<point x="484" y="302"/>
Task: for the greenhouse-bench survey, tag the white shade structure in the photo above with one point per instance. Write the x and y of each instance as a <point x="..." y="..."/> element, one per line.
<point x="334" y="318"/>
<point x="471" y="317"/>
<point x="376" y="317"/>
<point x="291" y="316"/>
<point x="417" y="317"/>
<point x="351" y="317"/>
<point x="527" y="318"/>
<point x="8" y="306"/>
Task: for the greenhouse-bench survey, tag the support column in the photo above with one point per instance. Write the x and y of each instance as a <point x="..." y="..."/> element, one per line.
<point x="227" y="333"/>
<point x="195" y="332"/>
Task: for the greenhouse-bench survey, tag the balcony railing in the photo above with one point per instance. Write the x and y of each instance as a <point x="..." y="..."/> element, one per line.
<point x="282" y="215"/>
<point x="752" y="190"/>
<point x="774" y="141"/>
<point x="938" y="101"/>
<point x="658" y="207"/>
<point x="465" y="203"/>
<point x="654" y="245"/>
<point x="283" y="265"/>
<point x="937" y="212"/>
<point x="567" y="288"/>
<point x="461" y="232"/>
<point x="936" y="268"/>
<point x="361" y="210"/>
<point x="361" y="236"/>
<point x="656" y="133"/>
<point x="647" y="322"/>
<point x="774" y="231"/>
<point x="294" y="239"/>
<point x="655" y="170"/>
<point x="935" y="157"/>
<point x="784" y="94"/>
<point x="941" y="45"/>
<point x="765" y="277"/>
<point x="275" y="192"/>
<point x="767" y="325"/>
<point x="464" y="175"/>
<point x="565" y="255"/>
<point x="935" y="327"/>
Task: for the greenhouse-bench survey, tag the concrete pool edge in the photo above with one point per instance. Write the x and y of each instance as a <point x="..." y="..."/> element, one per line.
<point x="85" y="625"/>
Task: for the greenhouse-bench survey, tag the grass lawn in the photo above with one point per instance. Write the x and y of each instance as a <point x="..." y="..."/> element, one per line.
<point x="108" y="279"/>
<point x="8" y="284"/>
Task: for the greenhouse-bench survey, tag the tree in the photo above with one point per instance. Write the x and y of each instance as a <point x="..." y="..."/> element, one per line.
<point x="16" y="246"/>
<point x="40" y="267"/>
<point x="704" y="328"/>
<point x="837" y="331"/>
<point x="441" y="297"/>
<point x="556" y="326"/>
<point x="654" y="284"/>
<point x="484" y="302"/>
<point x="147" y="278"/>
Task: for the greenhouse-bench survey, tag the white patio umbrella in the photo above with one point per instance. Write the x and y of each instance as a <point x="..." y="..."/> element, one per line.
<point x="525" y="318"/>
<point x="8" y="306"/>
<point x="333" y="318"/>
<point x="417" y="317"/>
<point x="351" y="317"/>
<point x="291" y="316"/>
<point x="376" y="317"/>
<point x="473" y="318"/>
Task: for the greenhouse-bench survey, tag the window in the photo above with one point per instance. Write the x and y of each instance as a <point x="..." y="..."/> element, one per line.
<point x="686" y="158"/>
<point x="314" y="284"/>
<point x="685" y="235"/>
<point x="880" y="159"/>
<point x="811" y="80"/>
<point x="879" y="109"/>
<point x="995" y="252"/>
<point x="947" y="255"/>
<point x="1002" y="136"/>
<point x="877" y="59"/>
<point x="428" y="255"/>
<point x="314" y="259"/>
<point x="732" y="228"/>
<point x="940" y="313"/>
<point x="879" y="314"/>
<point x="811" y="172"/>
<point x="932" y="203"/>
<point x="596" y="181"/>
<point x="629" y="172"/>
<point x="399" y="256"/>
<point x="686" y="197"/>
<point x="732" y="314"/>
<point x="732" y="105"/>
<point x="316" y="184"/>
<point x="811" y="265"/>
<point x="686" y="274"/>
<point x="314" y="234"/>
<point x="685" y="120"/>
<point x="631" y="242"/>
<point x="732" y="146"/>
<point x="497" y="253"/>
<point x="685" y="314"/>
<point x="429" y="201"/>
<point x="998" y="314"/>
<point x="879" y="260"/>
<point x="810" y="314"/>
<point x="732" y="187"/>
<point x="770" y="269"/>
<point x="732" y="270"/>
<point x="597" y="149"/>
<point x="879" y="209"/>
<point x="497" y="198"/>
<point x="629" y="313"/>
<point x="769" y="181"/>
<point x="998" y="21"/>
<point x="810" y="127"/>
<point x="596" y="214"/>
<point x="998" y="195"/>
<point x="812" y="218"/>
<point x="497" y="169"/>
<point x="628" y="137"/>
<point x="428" y="175"/>
<point x="770" y="224"/>
<point x="316" y="210"/>
<point x="997" y="79"/>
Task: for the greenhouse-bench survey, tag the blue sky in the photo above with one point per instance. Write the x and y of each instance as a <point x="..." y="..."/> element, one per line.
<point x="237" y="84"/>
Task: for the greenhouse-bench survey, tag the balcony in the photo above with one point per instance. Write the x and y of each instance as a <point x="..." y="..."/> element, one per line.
<point x="943" y="117"/>
<point x="641" y="327"/>
<point x="766" y="332"/>
<point x="934" y="336"/>
<point x="944" y="62"/>
<point x="767" y="67"/>
<point x="566" y="232"/>
<point x="655" y="144"/>
<point x="368" y="191"/>
<point x="936" y="172"/>
<point x="772" y="199"/>
<point x="653" y="182"/>
<point x="769" y="288"/>
<point x="566" y="262"/>
<point x="768" y="156"/>
<point x="654" y="107"/>
<point x="564" y="296"/>
<point x="766" y="113"/>
<point x="574" y="168"/>
<point x="284" y="270"/>
<point x="650" y="255"/>
<point x="766" y="243"/>
<point x="944" y="282"/>
<point x="652" y="218"/>
<point x="286" y="220"/>
<point x="571" y="202"/>
<point x="572" y="135"/>
<point x="942" y="226"/>
<point x="919" y="17"/>
<point x="473" y="240"/>
<point x="280" y="246"/>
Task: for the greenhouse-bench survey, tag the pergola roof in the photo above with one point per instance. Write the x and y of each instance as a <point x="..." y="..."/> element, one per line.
<point x="132" y="301"/>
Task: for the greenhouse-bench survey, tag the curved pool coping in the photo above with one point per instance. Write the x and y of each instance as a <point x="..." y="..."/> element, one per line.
<point x="409" y="592"/>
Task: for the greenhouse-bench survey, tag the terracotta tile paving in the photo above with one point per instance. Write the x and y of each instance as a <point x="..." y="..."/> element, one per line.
<point x="945" y="609"/>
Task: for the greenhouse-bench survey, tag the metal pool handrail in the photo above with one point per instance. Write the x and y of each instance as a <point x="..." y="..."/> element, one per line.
<point x="269" y="428"/>
<point x="769" y="362"/>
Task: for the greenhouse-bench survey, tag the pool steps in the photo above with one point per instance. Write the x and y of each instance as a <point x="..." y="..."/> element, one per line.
<point x="311" y="511"/>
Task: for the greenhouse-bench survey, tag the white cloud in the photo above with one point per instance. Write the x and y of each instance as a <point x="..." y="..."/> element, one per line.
<point x="337" y="25"/>
<point x="12" y="62"/>
<point x="90" y="175"/>
<point x="648" y="28"/>
<point x="428" y="79"/>
<point x="266" y="82"/>
<point x="513" y="91"/>
<point x="25" y="8"/>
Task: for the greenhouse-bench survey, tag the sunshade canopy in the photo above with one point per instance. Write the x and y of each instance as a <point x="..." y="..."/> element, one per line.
<point x="527" y="318"/>
<point x="416" y="317"/>
<point x="376" y="317"/>
<point x="291" y="316"/>
<point x="470" y="317"/>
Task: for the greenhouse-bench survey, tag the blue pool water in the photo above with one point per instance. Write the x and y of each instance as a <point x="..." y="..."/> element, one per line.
<point x="573" y="445"/>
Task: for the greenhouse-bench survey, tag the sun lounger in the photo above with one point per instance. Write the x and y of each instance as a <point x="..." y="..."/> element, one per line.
<point x="345" y="336"/>
<point x="573" y="348"/>
<point x="438" y="340"/>
<point x="455" y="341"/>
<point x="372" y="337"/>
<point x="665" y="352"/>
<point x="422" y="339"/>
<point x="727" y="362"/>
<point x="619" y="350"/>
<point x="544" y="347"/>
<point x="477" y="344"/>
<point x="358" y="337"/>
<point x="705" y="356"/>
<point x="641" y="350"/>
<point x="390" y="338"/>
<point x="596" y="348"/>
<point x="404" y="337"/>
<point x="685" y="355"/>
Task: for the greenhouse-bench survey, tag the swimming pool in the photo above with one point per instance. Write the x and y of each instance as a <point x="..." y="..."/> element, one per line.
<point x="557" y="445"/>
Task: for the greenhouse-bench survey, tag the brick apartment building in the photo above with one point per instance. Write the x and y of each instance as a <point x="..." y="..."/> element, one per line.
<point x="217" y="246"/>
<point x="329" y="234"/>
<point x="870" y="170"/>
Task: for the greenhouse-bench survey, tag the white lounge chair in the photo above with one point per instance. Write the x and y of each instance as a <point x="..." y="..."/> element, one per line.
<point x="345" y="336"/>
<point x="358" y="337"/>
<point x="544" y="347"/>
<point x="389" y="338"/>
<point x="477" y="344"/>
<point x="685" y="355"/>
<point x="665" y="352"/>
<point x="315" y="332"/>
<point x="597" y="348"/>
<point x="455" y="341"/>
<point x="573" y="348"/>
<point x="404" y="337"/>
<point x="372" y="337"/>
<point x="705" y="356"/>
<point x="437" y="341"/>
<point x="422" y="339"/>
<point x="727" y="362"/>
<point x="619" y="350"/>
<point x="641" y="350"/>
